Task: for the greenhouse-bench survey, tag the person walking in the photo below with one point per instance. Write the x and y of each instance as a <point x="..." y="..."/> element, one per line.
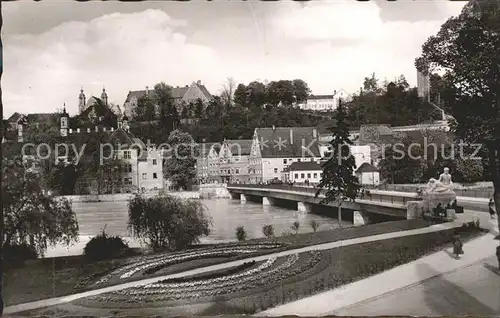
<point x="491" y="204"/>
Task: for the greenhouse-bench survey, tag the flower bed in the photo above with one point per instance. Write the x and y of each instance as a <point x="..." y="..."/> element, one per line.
<point x="226" y="286"/>
<point x="151" y="264"/>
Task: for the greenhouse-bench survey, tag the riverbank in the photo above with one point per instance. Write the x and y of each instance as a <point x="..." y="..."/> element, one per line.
<point x="373" y="254"/>
<point x="60" y="276"/>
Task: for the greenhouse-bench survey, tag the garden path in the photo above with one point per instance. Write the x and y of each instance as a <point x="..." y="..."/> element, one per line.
<point x="66" y="299"/>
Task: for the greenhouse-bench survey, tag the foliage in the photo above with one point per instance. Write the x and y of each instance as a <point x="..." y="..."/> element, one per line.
<point x="145" y="109"/>
<point x="338" y="171"/>
<point x="314" y="225"/>
<point x="16" y="254"/>
<point x="180" y="164"/>
<point x="103" y="247"/>
<point x="64" y="177"/>
<point x="168" y="114"/>
<point x="168" y="221"/>
<point x="30" y="215"/>
<point x="268" y="230"/>
<point x="295" y="226"/>
<point x="241" y="234"/>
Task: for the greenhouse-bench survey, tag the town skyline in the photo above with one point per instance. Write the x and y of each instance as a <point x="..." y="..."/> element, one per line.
<point x="121" y="47"/>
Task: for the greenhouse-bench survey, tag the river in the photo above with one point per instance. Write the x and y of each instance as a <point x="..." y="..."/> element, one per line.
<point x="226" y="214"/>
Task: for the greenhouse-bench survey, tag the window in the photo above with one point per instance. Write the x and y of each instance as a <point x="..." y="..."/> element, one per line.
<point x="312" y="159"/>
<point x="321" y="175"/>
<point x="126" y="154"/>
<point x="302" y="176"/>
<point x="155" y="176"/>
<point x="237" y="171"/>
<point x="315" y="175"/>
<point x="296" y="176"/>
<point x="275" y="170"/>
<point x="284" y="161"/>
<point x="154" y="162"/>
<point x="127" y="181"/>
<point x="144" y="176"/>
<point x="298" y="160"/>
<point x="308" y="176"/>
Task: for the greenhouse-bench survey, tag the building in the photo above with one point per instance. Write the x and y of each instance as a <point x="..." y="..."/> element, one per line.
<point x="423" y="85"/>
<point x="207" y="163"/>
<point x="368" y="175"/>
<point x="276" y="148"/>
<point x="301" y="171"/>
<point x="84" y="104"/>
<point x="187" y="94"/>
<point x="234" y="161"/>
<point x="324" y="102"/>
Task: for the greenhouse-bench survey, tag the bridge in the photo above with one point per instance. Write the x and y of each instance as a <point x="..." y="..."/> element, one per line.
<point x="389" y="203"/>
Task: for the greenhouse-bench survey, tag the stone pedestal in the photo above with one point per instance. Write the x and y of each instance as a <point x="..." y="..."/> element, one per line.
<point x="414" y="209"/>
<point x="360" y="218"/>
<point x="304" y="207"/>
<point x="450" y="214"/>
<point x="243" y="198"/>
<point x="266" y="201"/>
<point x="432" y="199"/>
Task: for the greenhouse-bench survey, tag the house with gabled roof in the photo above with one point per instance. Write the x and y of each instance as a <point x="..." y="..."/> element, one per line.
<point x="234" y="160"/>
<point x="207" y="163"/>
<point x="275" y="148"/>
<point x="325" y="102"/>
<point x="187" y="94"/>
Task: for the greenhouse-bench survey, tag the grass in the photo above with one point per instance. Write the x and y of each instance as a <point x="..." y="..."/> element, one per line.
<point x="337" y="267"/>
<point x="61" y="276"/>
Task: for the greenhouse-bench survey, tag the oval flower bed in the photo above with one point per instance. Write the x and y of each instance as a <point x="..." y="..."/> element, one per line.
<point x="200" y="289"/>
<point x="152" y="264"/>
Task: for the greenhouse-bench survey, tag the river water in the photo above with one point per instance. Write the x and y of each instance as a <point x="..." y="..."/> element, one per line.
<point x="226" y="214"/>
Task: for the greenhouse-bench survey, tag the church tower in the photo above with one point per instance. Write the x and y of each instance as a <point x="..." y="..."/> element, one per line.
<point x="81" y="102"/>
<point x="104" y="96"/>
<point x="64" y="122"/>
<point x="20" y="128"/>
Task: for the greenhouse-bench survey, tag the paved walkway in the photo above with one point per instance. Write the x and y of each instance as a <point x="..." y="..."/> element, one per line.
<point x="346" y="300"/>
<point x="66" y="299"/>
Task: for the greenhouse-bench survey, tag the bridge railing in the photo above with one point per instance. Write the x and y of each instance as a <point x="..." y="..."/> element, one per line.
<point x="375" y="197"/>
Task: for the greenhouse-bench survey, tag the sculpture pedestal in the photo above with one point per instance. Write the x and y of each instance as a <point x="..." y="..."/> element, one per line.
<point x="433" y="199"/>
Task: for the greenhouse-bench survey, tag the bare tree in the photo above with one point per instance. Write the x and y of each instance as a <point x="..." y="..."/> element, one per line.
<point x="227" y="94"/>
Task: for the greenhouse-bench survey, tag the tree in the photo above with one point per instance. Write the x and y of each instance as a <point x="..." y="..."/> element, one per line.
<point x="466" y="50"/>
<point x="167" y="221"/>
<point x="199" y="107"/>
<point x="314" y="225"/>
<point x="241" y="234"/>
<point x="31" y="216"/>
<point x="301" y="90"/>
<point x="145" y="109"/>
<point x="227" y="94"/>
<point x="295" y="227"/>
<point x="64" y="177"/>
<point x="240" y="95"/>
<point x="338" y="171"/>
<point x="180" y="165"/>
<point x="268" y="230"/>
<point x="169" y="117"/>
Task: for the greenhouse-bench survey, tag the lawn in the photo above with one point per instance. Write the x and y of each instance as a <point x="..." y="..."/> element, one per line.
<point x="47" y="278"/>
<point x="248" y="289"/>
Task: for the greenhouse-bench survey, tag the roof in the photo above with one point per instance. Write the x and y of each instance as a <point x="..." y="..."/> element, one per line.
<point x="366" y="167"/>
<point x="42" y="117"/>
<point x="320" y="97"/>
<point x="177" y="92"/>
<point x="276" y="142"/>
<point x="243" y="146"/>
<point x="14" y="117"/>
<point x="207" y="146"/>
<point x="304" y="166"/>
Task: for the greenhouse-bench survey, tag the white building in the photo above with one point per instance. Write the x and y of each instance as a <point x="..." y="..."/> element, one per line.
<point x="274" y="149"/>
<point x="150" y="167"/>
<point x="361" y="154"/>
<point x="368" y="174"/>
<point x="301" y="171"/>
<point x="324" y="102"/>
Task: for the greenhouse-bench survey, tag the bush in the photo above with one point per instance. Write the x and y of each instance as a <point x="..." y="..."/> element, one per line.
<point x="17" y="254"/>
<point x="166" y="221"/>
<point x="295" y="227"/>
<point x="314" y="225"/>
<point x="103" y="247"/>
<point x="241" y="234"/>
<point x="268" y="230"/>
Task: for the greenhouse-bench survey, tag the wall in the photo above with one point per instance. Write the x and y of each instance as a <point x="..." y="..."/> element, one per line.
<point x="193" y="93"/>
<point x="237" y="166"/>
<point x="361" y="154"/>
<point x="214" y="191"/>
<point x="371" y="178"/>
<point x="306" y="175"/>
<point x="270" y="164"/>
<point x="126" y="196"/>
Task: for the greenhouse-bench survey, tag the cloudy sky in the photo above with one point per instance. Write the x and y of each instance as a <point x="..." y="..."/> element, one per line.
<point x="52" y="49"/>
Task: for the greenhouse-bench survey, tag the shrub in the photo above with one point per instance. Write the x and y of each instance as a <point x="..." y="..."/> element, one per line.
<point x="103" y="246"/>
<point x="286" y="233"/>
<point x="314" y="225"/>
<point x="241" y="234"/>
<point x="295" y="227"/>
<point x="17" y="254"/>
<point x="268" y="230"/>
<point x="166" y="221"/>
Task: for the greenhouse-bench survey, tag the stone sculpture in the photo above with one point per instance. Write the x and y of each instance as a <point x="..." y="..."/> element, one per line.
<point x="439" y="192"/>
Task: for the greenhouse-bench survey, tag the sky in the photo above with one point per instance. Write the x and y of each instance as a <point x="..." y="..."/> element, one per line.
<point x="52" y="49"/>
